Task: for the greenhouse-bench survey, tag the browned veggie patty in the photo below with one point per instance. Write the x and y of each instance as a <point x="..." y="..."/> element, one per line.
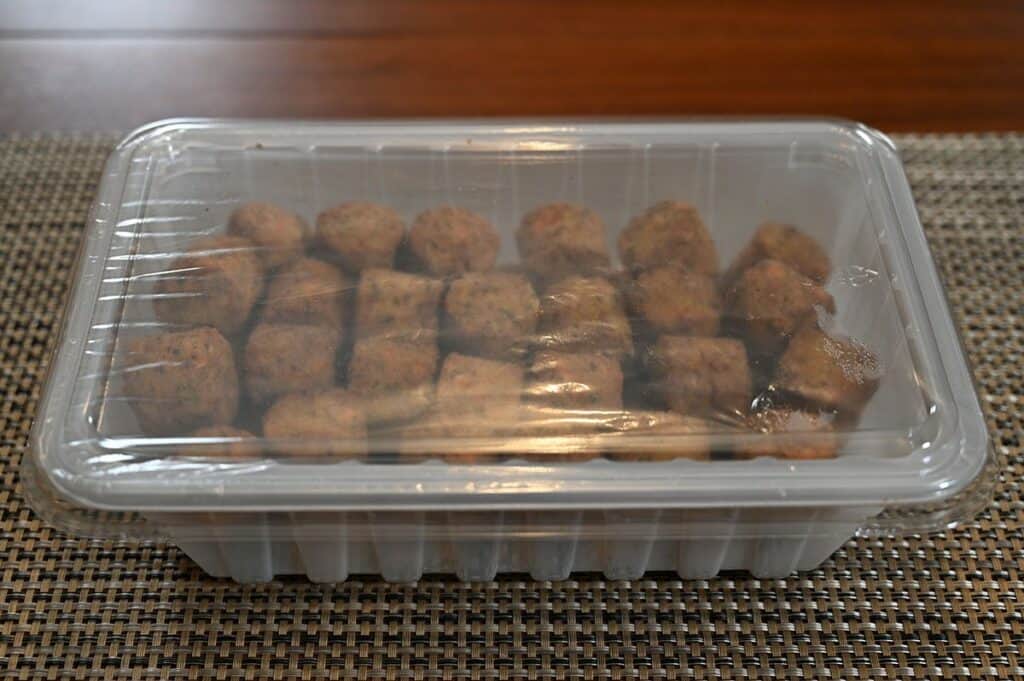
<point x="361" y="235"/>
<point x="672" y="300"/>
<point x="702" y="376"/>
<point x="286" y="358"/>
<point x="559" y="239"/>
<point x="584" y="381"/>
<point x="493" y="314"/>
<point x="394" y="378"/>
<point x="397" y="304"/>
<point x="181" y="380"/>
<point x="584" y="314"/>
<point x="331" y="415"/>
<point x="307" y="291"/>
<point x="477" y="389"/>
<point x="828" y="372"/>
<point x="770" y="301"/>
<point x="669" y="233"/>
<point x="278" y="234"/>
<point x="785" y="243"/>
<point x="449" y="240"/>
<point x="215" y="283"/>
<point x="476" y="398"/>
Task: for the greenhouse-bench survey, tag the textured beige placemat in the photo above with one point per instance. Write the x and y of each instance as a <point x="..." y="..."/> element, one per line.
<point x="940" y="607"/>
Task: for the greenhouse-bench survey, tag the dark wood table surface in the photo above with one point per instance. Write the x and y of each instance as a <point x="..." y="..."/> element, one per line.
<point x="916" y="65"/>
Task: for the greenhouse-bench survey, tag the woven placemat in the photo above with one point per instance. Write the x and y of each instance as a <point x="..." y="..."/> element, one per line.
<point x="939" y="607"/>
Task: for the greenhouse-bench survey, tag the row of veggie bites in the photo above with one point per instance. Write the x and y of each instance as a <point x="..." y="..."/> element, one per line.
<point x="590" y="337"/>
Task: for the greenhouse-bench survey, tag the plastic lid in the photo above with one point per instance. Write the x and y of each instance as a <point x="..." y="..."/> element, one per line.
<point x="316" y="316"/>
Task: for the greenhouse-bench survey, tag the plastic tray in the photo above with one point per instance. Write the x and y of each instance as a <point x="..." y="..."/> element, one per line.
<point x="918" y="457"/>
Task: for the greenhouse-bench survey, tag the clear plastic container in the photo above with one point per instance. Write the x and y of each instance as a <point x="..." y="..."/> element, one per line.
<point x="702" y="406"/>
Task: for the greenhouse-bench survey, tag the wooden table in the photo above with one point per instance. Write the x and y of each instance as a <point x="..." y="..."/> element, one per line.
<point x="112" y="65"/>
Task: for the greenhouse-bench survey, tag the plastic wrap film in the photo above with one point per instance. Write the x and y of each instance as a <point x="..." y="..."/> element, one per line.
<point x="481" y="347"/>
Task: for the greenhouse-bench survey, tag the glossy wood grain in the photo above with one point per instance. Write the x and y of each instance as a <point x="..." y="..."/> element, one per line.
<point x="909" y="66"/>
